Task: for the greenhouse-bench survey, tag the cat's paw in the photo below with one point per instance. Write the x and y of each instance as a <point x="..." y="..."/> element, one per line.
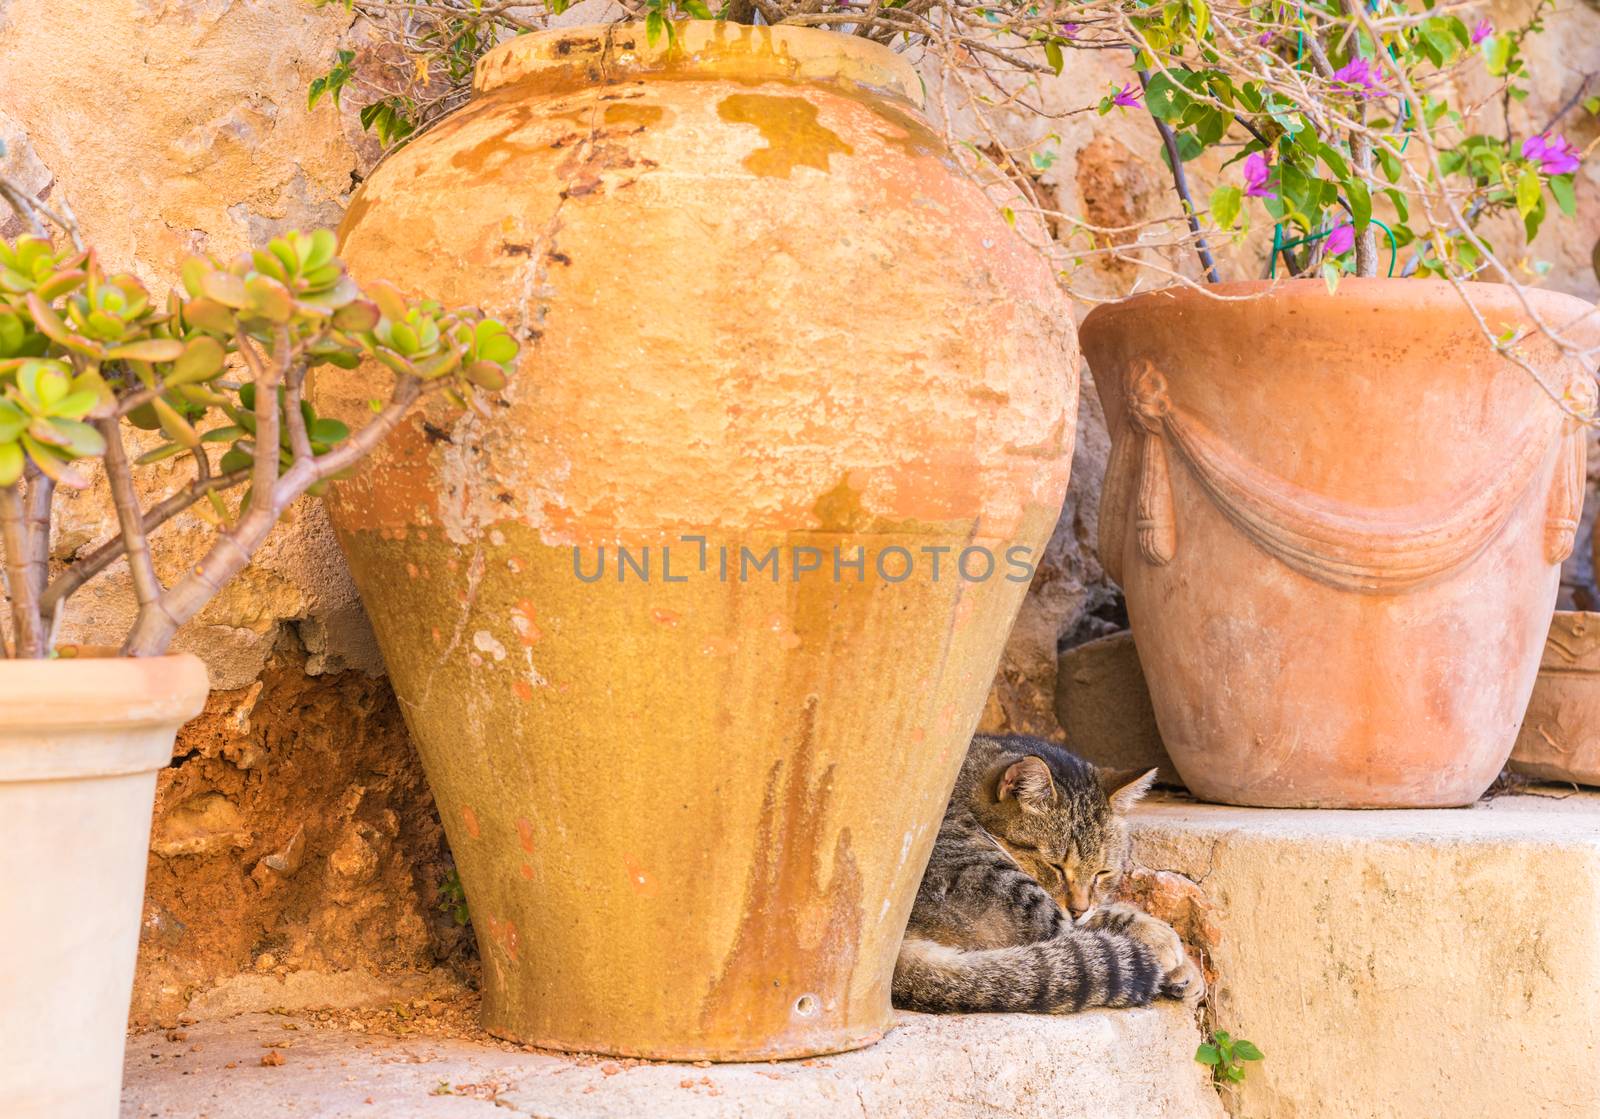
<point x="1180" y="978"/>
<point x="1117" y="918"/>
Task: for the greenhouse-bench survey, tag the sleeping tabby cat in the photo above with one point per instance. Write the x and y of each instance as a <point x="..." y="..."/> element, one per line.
<point x="1008" y="914"/>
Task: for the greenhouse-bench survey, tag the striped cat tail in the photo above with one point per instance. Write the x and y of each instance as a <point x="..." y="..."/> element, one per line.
<point x="1077" y="969"/>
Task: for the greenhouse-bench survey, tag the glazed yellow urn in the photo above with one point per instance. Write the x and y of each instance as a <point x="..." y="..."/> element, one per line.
<point x="692" y="621"/>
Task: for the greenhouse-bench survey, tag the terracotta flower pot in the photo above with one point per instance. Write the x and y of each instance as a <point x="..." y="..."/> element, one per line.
<point x="81" y="741"/>
<point x="761" y="309"/>
<point x="1560" y="736"/>
<point x="1338" y="520"/>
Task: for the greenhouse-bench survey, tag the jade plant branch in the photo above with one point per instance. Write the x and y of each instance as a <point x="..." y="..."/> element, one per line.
<point x="85" y="355"/>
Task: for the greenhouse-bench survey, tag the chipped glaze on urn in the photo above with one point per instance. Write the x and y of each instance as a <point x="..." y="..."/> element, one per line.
<point x="760" y="306"/>
<point x="1339" y="520"/>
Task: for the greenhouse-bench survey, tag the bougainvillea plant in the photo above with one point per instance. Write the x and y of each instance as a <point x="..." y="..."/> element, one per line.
<point x="1336" y="136"/>
<point x="215" y="375"/>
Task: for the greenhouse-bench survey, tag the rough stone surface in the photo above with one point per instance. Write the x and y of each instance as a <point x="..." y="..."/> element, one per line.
<point x="292" y="831"/>
<point x="1119" y="1064"/>
<point x="1400" y="963"/>
<point x="1104" y="707"/>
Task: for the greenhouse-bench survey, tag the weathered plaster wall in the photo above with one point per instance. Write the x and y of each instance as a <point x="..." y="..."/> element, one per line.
<point x="176" y="125"/>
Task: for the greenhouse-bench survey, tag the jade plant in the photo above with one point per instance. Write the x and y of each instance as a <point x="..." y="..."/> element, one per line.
<point x="1341" y="140"/>
<point x="97" y="375"/>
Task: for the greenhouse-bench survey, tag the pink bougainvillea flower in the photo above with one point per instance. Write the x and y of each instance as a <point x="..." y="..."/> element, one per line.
<point x="1360" y="78"/>
<point x="1553" y="152"/>
<point x="1127" y="97"/>
<point x="1257" y="177"/>
<point x="1341" y="240"/>
<point x="1482" y="32"/>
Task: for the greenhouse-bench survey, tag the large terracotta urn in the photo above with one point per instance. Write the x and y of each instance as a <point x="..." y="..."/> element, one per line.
<point x="664" y="616"/>
<point x="1338" y="519"/>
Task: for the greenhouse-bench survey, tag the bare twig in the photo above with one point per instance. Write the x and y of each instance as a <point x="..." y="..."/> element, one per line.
<point x="153" y="630"/>
<point x="27" y="628"/>
<point x="119" y="477"/>
<point x="102" y="557"/>
<point x="1180" y="182"/>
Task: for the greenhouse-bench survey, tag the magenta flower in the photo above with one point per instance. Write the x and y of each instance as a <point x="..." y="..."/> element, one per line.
<point x="1553" y="152"/>
<point x="1257" y="177"/>
<point x="1070" y="30"/>
<point x="1265" y="38"/>
<point x="1127" y="97"/>
<point x="1360" y="78"/>
<point x="1341" y="240"/>
<point x="1482" y="32"/>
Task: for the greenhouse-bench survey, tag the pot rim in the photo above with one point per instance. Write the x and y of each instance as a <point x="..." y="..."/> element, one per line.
<point x="88" y="687"/>
<point x="571" y="58"/>
<point x="1379" y="295"/>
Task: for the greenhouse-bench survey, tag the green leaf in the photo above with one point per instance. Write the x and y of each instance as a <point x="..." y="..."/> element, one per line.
<point x="144" y="417"/>
<point x="48" y="322"/>
<point x="1053" y="55"/>
<point x="165" y="451"/>
<point x="208" y="314"/>
<point x="79" y="438"/>
<point x="1561" y="190"/>
<point x="11" y="461"/>
<point x="225" y="288"/>
<point x="1225" y="203"/>
<point x="1331" y="275"/>
<point x="1360" y="203"/>
<point x="1527" y="192"/>
<point x="1235" y="1074"/>
<point x="328" y="431"/>
<point x="147" y="349"/>
<point x="236" y="460"/>
<point x="1335" y="161"/>
<point x="1166" y="99"/>
<point x="269" y="299"/>
<point x="323" y="246"/>
<point x="1208" y="1055"/>
<point x="1246" y="1051"/>
<point x="653" y="27"/>
<point x="49" y="461"/>
<point x="13" y="421"/>
<point x="176" y="427"/>
<point x="486" y="375"/>
<point x="75" y="405"/>
<point x="200" y="360"/>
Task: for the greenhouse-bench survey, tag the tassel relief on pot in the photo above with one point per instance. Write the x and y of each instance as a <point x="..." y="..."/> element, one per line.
<point x="1138" y="478"/>
<point x="1350" y="547"/>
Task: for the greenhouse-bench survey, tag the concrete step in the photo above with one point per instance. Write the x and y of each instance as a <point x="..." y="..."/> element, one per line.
<point x="1125" y="1064"/>
<point x="1402" y="965"/>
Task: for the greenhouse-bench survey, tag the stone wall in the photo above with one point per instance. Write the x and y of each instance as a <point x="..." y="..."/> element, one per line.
<point x="293" y="833"/>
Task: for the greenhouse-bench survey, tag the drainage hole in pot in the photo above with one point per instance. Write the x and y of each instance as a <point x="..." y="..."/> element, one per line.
<point x="806" y="1005"/>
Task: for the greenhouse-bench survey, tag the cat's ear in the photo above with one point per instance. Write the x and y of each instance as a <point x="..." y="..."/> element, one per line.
<point x="1029" y="781"/>
<point x="1127" y="788"/>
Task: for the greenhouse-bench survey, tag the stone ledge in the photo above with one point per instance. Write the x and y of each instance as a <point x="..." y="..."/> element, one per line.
<point x="1402" y="965"/>
<point x="1127" y="1064"/>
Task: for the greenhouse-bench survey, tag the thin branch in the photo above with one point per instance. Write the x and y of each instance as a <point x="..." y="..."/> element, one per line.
<point x="1180" y="182"/>
<point x="27" y="628"/>
<point x="119" y="476"/>
<point x="87" y="567"/>
<point x="36" y="515"/>
<point x="153" y="631"/>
